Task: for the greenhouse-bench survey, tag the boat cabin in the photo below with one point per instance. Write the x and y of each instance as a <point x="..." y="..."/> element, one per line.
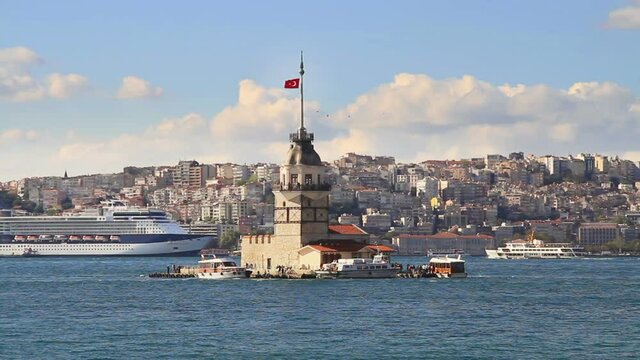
<point x="447" y="267"/>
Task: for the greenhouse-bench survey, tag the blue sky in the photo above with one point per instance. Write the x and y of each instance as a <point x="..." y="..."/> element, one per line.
<point x="196" y="53"/>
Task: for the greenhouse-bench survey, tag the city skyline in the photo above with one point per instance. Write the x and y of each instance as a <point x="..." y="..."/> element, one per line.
<point x="94" y="90"/>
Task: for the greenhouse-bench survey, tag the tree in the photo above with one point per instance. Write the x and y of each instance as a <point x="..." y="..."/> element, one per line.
<point x="66" y="203"/>
<point x="229" y="240"/>
<point x="389" y="235"/>
<point x="38" y="209"/>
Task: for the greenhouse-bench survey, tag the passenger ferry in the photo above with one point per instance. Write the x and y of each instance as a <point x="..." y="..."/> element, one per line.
<point x="533" y="249"/>
<point x="113" y="229"/>
<point x="446" y="267"/>
<point x="377" y="268"/>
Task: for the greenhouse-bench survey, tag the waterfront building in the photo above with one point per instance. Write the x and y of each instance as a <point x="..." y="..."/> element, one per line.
<point x="420" y="244"/>
<point x="597" y="233"/>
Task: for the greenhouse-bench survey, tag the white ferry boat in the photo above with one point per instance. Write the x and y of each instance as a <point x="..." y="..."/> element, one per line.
<point x="215" y="267"/>
<point x="377" y="268"/>
<point x="113" y="229"/>
<point x="446" y="267"/>
<point x="533" y="249"/>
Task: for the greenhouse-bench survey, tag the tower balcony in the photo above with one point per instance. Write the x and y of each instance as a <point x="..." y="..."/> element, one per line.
<point x="300" y="136"/>
<point x="302" y="187"/>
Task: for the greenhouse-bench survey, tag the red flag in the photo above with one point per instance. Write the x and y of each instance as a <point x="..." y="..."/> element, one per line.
<point x="292" y="84"/>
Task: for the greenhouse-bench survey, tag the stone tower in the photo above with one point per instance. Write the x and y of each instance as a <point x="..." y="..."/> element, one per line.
<point x="301" y="205"/>
<point x="302" y="199"/>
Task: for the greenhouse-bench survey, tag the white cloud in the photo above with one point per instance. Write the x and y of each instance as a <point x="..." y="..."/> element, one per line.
<point x="414" y="118"/>
<point x="165" y="143"/>
<point x="625" y="18"/>
<point x="18" y="85"/>
<point x="11" y="136"/>
<point x="18" y="56"/>
<point x="63" y="86"/>
<point x="134" y="87"/>
<point x="260" y="114"/>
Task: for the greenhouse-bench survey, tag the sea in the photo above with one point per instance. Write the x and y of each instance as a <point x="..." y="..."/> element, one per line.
<point x="108" y="308"/>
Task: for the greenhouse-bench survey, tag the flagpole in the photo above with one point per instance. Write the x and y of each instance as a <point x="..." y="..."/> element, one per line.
<point x="301" y="93"/>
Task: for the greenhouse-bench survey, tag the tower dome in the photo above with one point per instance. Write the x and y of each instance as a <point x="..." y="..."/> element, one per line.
<point x="302" y="153"/>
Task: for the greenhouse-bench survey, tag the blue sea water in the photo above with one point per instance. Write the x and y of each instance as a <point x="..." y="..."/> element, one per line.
<point x="107" y="308"/>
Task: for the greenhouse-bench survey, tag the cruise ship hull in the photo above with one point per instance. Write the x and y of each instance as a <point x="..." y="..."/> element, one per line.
<point x="182" y="245"/>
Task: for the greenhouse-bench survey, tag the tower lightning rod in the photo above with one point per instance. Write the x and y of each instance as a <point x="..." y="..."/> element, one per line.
<point x="301" y="93"/>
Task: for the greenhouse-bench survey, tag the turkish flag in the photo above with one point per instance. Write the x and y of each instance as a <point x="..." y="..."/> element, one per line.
<point x="292" y="84"/>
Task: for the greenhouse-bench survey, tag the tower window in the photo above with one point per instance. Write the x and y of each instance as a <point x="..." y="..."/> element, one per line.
<point x="294" y="179"/>
<point x="308" y="179"/>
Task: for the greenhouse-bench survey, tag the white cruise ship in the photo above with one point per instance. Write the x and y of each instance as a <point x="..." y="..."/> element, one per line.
<point x="534" y="249"/>
<point x="114" y="229"/>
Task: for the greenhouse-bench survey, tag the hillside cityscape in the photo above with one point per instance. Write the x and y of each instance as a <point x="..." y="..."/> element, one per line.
<point x="587" y="200"/>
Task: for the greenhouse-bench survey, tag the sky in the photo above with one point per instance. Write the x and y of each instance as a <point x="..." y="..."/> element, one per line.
<point x="92" y="87"/>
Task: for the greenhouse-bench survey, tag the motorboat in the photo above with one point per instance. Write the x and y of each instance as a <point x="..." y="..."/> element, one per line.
<point x="29" y="252"/>
<point x="215" y="267"/>
<point x="446" y="267"/>
<point x="376" y="268"/>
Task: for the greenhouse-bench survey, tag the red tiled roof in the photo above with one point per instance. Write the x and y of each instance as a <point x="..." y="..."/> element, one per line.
<point x="346" y="230"/>
<point x="322" y="248"/>
<point x="381" y="248"/>
<point x="479" y="236"/>
<point x="340" y="246"/>
<point x="443" y="235"/>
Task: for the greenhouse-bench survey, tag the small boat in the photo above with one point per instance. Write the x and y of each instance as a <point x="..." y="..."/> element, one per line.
<point x="60" y="237"/>
<point x="114" y="238"/>
<point x="88" y="237"/>
<point x="446" y="267"/>
<point x="29" y="252"/>
<point x="45" y="237"/>
<point x="101" y="238"/>
<point x="377" y="268"/>
<point x="32" y="237"/>
<point x="75" y="238"/>
<point x="214" y="267"/>
<point x="19" y="238"/>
